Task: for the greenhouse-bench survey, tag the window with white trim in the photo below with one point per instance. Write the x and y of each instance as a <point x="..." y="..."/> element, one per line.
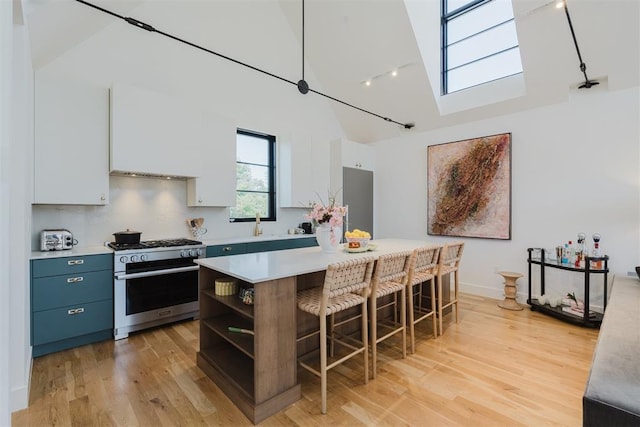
<point x="479" y="43"/>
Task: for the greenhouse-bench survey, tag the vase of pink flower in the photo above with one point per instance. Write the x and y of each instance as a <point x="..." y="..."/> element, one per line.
<point x="328" y="220"/>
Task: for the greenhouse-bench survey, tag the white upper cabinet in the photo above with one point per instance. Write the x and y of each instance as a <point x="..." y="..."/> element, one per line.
<point x="71" y="151"/>
<point x="357" y="155"/>
<point x="349" y="154"/>
<point x="216" y="185"/>
<point x="303" y="170"/>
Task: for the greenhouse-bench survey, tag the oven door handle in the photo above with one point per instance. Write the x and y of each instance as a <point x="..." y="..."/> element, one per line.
<point x="156" y="272"/>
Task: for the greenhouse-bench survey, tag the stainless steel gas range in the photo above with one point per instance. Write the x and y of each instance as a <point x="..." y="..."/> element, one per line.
<point x="155" y="282"/>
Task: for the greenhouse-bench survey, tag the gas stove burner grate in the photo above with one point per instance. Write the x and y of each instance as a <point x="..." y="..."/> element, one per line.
<point x="150" y="244"/>
<point x="169" y="243"/>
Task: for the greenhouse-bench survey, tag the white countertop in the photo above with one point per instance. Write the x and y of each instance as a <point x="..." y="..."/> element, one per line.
<point x="265" y="266"/>
<point x="76" y="251"/>
<point x="250" y="239"/>
<point x="101" y="249"/>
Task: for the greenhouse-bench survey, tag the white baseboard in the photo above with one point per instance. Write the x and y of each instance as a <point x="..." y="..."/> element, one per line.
<point x="20" y="395"/>
<point x="498" y="294"/>
<point x="485" y="291"/>
<point x="19" y="398"/>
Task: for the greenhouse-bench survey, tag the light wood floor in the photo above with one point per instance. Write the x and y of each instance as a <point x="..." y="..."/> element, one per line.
<point x="495" y="368"/>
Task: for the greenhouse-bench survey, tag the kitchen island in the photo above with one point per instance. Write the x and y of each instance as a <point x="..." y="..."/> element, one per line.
<point x="257" y="368"/>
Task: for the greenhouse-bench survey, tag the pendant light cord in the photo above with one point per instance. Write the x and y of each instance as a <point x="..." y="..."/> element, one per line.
<point x="303" y="40"/>
<point x="304" y="87"/>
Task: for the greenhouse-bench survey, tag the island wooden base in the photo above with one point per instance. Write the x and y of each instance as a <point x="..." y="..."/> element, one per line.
<point x="256" y="370"/>
<point x="256" y="412"/>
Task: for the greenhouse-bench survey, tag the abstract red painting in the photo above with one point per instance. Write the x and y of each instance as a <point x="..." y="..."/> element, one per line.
<point x="469" y="188"/>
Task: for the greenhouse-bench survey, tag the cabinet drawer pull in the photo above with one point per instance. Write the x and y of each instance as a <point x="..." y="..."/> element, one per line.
<point x="75" y="279"/>
<point x="73" y="311"/>
<point x="226" y="248"/>
<point x="75" y="262"/>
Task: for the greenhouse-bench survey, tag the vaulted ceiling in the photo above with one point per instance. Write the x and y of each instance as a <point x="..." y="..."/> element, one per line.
<point x="349" y="41"/>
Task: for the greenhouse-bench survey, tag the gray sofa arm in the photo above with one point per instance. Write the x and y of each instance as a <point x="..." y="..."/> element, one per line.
<point x="612" y="394"/>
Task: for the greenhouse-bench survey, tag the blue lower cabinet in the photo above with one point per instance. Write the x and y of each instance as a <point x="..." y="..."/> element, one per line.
<point x="262" y="246"/>
<point x="71" y="302"/>
<point x="224" y="250"/>
<point x="272" y="245"/>
<point x="71" y="321"/>
<point x="59" y="291"/>
<point x="305" y="242"/>
<point x="71" y="265"/>
<point x="277" y="245"/>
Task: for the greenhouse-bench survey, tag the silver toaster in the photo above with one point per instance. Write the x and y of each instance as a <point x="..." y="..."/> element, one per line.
<point x="56" y="240"/>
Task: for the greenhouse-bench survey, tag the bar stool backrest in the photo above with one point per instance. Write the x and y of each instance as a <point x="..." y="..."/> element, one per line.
<point x="348" y="277"/>
<point x="424" y="264"/>
<point x="391" y="267"/>
<point x="450" y="256"/>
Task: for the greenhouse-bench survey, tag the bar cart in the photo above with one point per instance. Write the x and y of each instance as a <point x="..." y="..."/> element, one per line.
<point x="589" y="319"/>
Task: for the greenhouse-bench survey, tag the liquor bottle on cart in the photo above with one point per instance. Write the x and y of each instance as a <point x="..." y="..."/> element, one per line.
<point x="581" y="250"/>
<point x="596" y="252"/>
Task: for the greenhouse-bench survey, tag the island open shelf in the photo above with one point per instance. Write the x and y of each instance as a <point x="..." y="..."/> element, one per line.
<point x="220" y="326"/>
<point x="257" y="372"/>
<point x="232" y="365"/>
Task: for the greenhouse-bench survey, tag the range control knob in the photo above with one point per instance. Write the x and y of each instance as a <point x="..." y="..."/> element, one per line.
<point x="134" y="258"/>
<point x="123" y="259"/>
<point x="143" y="257"/>
<point x="193" y="253"/>
<point x="184" y="254"/>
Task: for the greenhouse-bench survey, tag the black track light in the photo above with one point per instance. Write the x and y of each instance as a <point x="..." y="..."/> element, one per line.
<point x="302" y="85"/>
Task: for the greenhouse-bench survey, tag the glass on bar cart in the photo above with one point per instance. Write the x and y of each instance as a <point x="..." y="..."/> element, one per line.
<point x="581" y="250"/>
<point x="596" y="252"/>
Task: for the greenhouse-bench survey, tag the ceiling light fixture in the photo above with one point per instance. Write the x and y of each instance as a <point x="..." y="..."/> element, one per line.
<point x="583" y="67"/>
<point x="393" y="73"/>
<point x="303" y="86"/>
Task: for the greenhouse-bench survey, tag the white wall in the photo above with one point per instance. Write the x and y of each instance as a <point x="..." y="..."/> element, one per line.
<point x="574" y="169"/>
<point x="6" y="29"/>
<point x="20" y="219"/>
<point x="15" y="213"/>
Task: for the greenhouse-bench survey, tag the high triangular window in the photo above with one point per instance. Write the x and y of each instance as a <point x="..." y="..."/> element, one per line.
<point x="479" y="43"/>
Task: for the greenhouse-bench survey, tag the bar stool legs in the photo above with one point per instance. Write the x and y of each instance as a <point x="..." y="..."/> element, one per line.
<point x="345" y="286"/>
<point x="422" y="270"/>
<point x="449" y="263"/>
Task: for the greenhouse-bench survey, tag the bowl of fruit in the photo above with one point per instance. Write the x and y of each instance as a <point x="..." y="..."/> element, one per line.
<point x="357" y="239"/>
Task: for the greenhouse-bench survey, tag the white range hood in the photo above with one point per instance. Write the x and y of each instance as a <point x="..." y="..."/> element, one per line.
<point x="155" y="135"/>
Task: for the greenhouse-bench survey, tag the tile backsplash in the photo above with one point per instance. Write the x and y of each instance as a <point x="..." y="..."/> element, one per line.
<point x="154" y="206"/>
